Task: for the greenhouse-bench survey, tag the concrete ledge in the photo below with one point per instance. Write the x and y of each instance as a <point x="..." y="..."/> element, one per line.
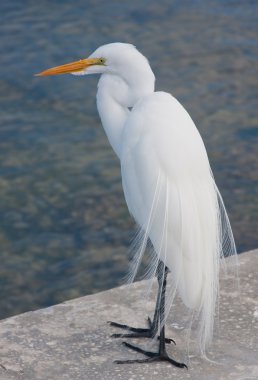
<point x="72" y="340"/>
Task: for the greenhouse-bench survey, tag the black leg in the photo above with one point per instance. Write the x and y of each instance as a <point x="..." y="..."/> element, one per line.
<point x="161" y="355"/>
<point x="151" y="331"/>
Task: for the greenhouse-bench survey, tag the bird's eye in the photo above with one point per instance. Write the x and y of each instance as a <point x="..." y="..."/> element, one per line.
<point x="102" y="61"/>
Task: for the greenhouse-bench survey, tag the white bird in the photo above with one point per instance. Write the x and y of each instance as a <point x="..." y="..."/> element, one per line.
<point x="168" y="186"/>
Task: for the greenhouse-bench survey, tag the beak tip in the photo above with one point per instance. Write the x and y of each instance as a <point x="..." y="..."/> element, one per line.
<point x="42" y="74"/>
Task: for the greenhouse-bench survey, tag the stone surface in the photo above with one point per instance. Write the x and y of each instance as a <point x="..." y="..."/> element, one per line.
<point x="72" y="340"/>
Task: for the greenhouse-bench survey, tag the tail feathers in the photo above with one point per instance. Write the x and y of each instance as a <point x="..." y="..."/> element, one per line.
<point x="190" y="232"/>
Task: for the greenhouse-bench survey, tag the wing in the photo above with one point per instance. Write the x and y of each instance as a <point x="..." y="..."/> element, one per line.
<point x="159" y="136"/>
<point x="170" y="191"/>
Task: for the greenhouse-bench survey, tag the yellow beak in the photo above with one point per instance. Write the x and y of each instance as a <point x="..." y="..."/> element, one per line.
<point x="72" y="67"/>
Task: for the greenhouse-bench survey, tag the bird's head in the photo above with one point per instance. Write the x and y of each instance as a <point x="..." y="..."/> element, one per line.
<point x="116" y="58"/>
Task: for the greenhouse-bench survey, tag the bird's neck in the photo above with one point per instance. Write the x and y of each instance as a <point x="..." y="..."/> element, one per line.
<point x="114" y="98"/>
<point x="112" y="113"/>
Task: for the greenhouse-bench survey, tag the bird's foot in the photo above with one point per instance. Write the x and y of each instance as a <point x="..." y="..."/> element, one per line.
<point x="151" y="357"/>
<point x="138" y="332"/>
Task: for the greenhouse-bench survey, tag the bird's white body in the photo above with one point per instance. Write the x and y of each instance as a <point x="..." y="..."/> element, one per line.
<point x="166" y="176"/>
<point x="165" y="168"/>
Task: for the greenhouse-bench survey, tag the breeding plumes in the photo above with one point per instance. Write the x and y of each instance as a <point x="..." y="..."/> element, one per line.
<point x="168" y="186"/>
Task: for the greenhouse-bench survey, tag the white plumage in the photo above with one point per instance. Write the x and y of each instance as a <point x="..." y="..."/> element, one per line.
<point x="166" y="176"/>
<point x="165" y="169"/>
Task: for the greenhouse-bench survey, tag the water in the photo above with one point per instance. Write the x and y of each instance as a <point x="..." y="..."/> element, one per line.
<point x="64" y="227"/>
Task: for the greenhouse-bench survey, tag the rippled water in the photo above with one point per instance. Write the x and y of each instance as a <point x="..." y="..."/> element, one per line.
<point x="64" y="227"/>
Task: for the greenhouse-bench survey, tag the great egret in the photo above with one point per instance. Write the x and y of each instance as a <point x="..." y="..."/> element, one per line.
<point x="168" y="187"/>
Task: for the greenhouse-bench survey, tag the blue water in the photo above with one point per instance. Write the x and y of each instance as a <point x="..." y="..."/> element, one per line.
<point x="64" y="226"/>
